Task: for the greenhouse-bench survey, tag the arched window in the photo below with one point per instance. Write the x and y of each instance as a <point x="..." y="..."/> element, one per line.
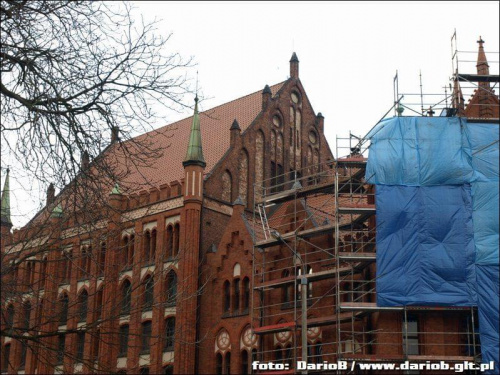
<point x="169" y="334"/>
<point x="243" y="177"/>
<point x="5" y="359"/>
<point x="278" y="354"/>
<point x="102" y="258"/>
<point x="131" y="251"/>
<point x="43" y="272"/>
<point x="148" y="293"/>
<point x="286" y="289"/>
<point x="227" y="187"/>
<point x="123" y="348"/>
<point x="126" y="294"/>
<point x="63" y="312"/>
<point x="99" y="303"/>
<point x="347" y="292"/>
<point x="31" y="274"/>
<point x="236" y="291"/>
<point x="147" y="246"/>
<point x="152" y="255"/>
<point x="319" y="352"/>
<point x="86" y="260"/>
<point x="27" y="315"/>
<point x="289" y="355"/>
<point x="171" y="288"/>
<point x="259" y="161"/>
<point x="169" y="241"/>
<point x="83" y="300"/>
<point x="244" y="362"/>
<point x="95" y="347"/>
<point x="246" y="294"/>
<point x="176" y="239"/>
<point x="24" y="349"/>
<point x="227" y="363"/>
<point x="357" y="289"/>
<point x="66" y="267"/>
<point x="218" y="364"/>
<point x="80" y="346"/>
<point x="61" y="342"/>
<point x="145" y="336"/>
<point x="10" y="318"/>
<point x="124" y="257"/>
<point x="227" y="297"/>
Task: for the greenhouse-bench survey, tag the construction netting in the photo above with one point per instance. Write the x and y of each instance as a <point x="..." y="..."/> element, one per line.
<point x="437" y="201"/>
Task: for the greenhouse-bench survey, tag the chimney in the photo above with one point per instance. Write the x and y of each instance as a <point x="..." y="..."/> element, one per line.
<point x="266" y="96"/>
<point x="115" y="134"/>
<point x="85" y="160"/>
<point x="294" y="66"/>
<point x="235" y="132"/>
<point x="320" y="122"/>
<point x="51" y="194"/>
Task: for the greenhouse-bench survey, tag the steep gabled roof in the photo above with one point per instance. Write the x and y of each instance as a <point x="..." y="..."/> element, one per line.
<point x="173" y="139"/>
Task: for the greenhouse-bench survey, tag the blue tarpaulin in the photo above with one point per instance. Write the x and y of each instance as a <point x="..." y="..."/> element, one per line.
<point x="437" y="199"/>
<point x="425" y="242"/>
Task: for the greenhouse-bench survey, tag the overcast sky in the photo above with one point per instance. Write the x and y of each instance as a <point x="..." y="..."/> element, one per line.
<point x="349" y="53"/>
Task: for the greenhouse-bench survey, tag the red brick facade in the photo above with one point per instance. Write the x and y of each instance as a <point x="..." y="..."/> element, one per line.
<point x="192" y="237"/>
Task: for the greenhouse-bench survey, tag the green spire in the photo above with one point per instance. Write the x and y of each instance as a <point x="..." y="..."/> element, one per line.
<point x="116" y="190"/>
<point x="57" y="211"/>
<point x="194" y="153"/>
<point x="5" y="217"/>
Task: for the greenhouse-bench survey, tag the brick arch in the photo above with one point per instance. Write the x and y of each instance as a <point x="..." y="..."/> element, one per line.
<point x="260" y="147"/>
<point x="227" y="186"/>
<point x="243" y="175"/>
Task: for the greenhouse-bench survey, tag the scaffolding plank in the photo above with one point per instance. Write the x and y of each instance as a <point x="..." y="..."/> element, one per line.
<point x="291" y="194"/>
<point x="448" y="358"/>
<point x="367" y="306"/>
<point x="306" y="233"/>
<point x="352" y="162"/>
<point x="316" y="276"/>
<point x="373" y="357"/>
<point x="288" y="326"/>
<point x="478" y="78"/>
<point x="352" y="256"/>
<point x="356" y="208"/>
<point x="330" y="319"/>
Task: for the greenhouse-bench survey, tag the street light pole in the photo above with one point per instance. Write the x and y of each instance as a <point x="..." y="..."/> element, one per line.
<point x="303" y="283"/>
<point x="303" y="296"/>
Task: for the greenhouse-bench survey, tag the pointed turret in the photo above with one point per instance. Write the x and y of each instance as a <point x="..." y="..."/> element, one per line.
<point x="482" y="63"/>
<point x="194" y="155"/>
<point x="235" y="132"/>
<point x="294" y="66"/>
<point x="5" y="218"/>
<point x="189" y="251"/>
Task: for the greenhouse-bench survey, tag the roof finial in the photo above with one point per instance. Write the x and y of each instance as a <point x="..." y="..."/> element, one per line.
<point x="194" y="154"/>
<point x="196" y="97"/>
<point x="5" y="205"/>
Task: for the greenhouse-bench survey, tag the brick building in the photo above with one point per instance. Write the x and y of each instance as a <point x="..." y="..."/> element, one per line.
<point x="162" y="283"/>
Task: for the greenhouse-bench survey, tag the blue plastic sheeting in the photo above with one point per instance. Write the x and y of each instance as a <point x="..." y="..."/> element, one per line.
<point x="418" y="151"/>
<point x="425" y="246"/>
<point x="450" y="153"/>
<point x="489" y="314"/>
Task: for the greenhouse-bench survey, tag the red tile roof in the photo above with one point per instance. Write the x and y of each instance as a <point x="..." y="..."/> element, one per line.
<point x="173" y="140"/>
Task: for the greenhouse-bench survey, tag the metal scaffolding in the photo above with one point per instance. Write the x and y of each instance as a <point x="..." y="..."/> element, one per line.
<point x="314" y="268"/>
